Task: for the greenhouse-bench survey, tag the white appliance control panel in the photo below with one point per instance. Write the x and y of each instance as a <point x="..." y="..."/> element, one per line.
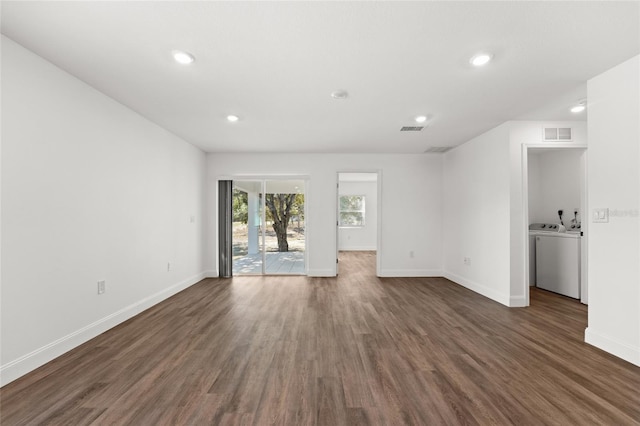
<point x="547" y="227"/>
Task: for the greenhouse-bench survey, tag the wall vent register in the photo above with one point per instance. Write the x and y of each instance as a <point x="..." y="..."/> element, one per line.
<point x="557" y="134"/>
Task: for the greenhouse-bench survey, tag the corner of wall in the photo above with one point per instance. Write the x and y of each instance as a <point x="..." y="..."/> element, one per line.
<point x="29" y="362"/>
<point x="604" y="341"/>
<point x="321" y="273"/>
<point x="479" y="288"/>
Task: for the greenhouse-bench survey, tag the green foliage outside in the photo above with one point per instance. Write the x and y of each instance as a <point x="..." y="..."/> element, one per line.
<point x="280" y="210"/>
<point x="351" y="202"/>
<point x="240" y="206"/>
<point x="351" y="210"/>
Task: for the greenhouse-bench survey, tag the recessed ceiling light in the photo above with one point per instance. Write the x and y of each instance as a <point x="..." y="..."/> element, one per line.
<point x="579" y="107"/>
<point x="184" y="58"/>
<point x="480" y="59"/>
<point x="340" y="94"/>
<point x="232" y="118"/>
<point x="421" y="119"/>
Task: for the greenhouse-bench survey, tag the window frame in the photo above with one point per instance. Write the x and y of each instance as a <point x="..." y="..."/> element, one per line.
<point x="362" y="211"/>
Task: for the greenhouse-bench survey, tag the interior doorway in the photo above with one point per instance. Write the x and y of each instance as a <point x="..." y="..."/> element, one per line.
<point x="555" y="194"/>
<point x="358" y="213"/>
<point x="268" y="227"/>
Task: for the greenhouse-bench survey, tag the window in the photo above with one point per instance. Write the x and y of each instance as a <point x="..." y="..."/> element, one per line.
<point x="351" y="210"/>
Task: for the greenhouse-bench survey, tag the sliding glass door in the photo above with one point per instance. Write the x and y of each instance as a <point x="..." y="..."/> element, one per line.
<point x="268" y="227"/>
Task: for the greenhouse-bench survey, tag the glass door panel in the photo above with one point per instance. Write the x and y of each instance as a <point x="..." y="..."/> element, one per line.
<point x="247" y="235"/>
<point x="285" y="241"/>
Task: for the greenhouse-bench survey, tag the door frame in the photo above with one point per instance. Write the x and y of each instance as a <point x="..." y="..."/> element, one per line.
<point x="583" y="212"/>
<point x="263" y="179"/>
<point x="378" y="173"/>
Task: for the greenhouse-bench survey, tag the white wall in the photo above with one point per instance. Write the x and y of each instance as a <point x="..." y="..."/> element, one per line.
<point x="90" y="191"/>
<point x="476" y="214"/>
<point x="533" y="179"/>
<point x="614" y="183"/>
<point x="483" y="208"/>
<point x="411" y="214"/>
<point x="554" y="184"/>
<point x="361" y="237"/>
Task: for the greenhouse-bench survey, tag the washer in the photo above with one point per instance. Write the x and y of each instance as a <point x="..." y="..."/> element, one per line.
<point x="534" y="230"/>
<point x="557" y="258"/>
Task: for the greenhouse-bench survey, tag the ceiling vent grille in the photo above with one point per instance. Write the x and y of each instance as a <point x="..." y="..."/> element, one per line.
<point x="437" y="149"/>
<point x="557" y="134"/>
<point x="411" y="128"/>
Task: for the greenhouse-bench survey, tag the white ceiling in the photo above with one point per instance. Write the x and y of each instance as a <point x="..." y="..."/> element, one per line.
<point x="274" y="64"/>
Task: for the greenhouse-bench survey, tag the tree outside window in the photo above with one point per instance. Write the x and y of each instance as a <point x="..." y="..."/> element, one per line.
<point x="351" y="210"/>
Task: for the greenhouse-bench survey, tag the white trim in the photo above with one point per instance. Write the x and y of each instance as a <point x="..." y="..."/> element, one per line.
<point x="408" y="273"/>
<point x="478" y="288"/>
<point x="556" y="145"/>
<point x="29" y="362"/>
<point x="584" y="248"/>
<point x="525" y="212"/>
<point x="212" y="273"/>
<point x="321" y="273"/>
<point x="277" y="176"/>
<point x="379" y="214"/>
<point x="613" y="346"/>
<point x="518" y="301"/>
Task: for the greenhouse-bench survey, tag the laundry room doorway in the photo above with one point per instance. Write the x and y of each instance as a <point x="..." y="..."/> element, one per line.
<point x="555" y="196"/>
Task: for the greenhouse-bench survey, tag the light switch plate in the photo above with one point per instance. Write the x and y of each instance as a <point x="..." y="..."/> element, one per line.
<point x="600" y="216"/>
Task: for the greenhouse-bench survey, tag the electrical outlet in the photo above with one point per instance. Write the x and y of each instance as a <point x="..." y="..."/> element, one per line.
<point x="467" y="261"/>
<point x="102" y="286"/>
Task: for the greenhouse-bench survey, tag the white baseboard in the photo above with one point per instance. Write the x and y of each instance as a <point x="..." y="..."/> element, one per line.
<point x="479" y="288"/>
<point x="613" y="346"/>
<point x="407" y="273"/>
<point x="29" y="362"/>
<point x="517" y="302"/>
<point x="211" y="274"/>
<point x="321" y="273"/>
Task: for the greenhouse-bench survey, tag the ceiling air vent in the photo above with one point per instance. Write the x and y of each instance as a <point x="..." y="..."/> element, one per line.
<point x="437" y="149"/>
<point x="411" y="128"/>
<point x="557" y="134"/>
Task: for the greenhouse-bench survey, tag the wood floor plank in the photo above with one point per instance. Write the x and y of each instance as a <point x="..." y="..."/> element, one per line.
<point x="352" y="350"/>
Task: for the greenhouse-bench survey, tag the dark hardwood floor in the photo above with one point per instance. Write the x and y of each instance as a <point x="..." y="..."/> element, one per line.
<point x="335" y="351"/>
